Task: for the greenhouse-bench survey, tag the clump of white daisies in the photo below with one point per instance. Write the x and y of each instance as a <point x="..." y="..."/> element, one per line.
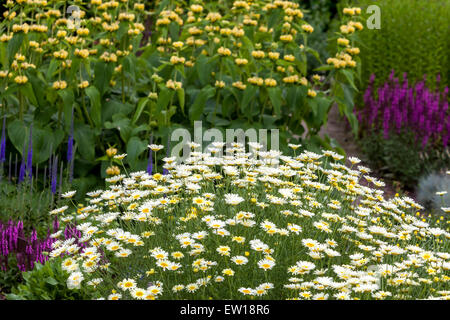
<point x="257" y="224"/>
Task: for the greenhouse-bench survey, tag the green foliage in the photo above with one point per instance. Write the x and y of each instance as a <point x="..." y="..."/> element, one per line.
<point x="119" y="95"/>
<point x="27" y="205"/>
<point x="320" y="14"/>
<point x="47" y="282"/>
<point x="11" y="277"/>
<point x="413" y="38"/>
<point x="427" y="190"/>
<point x="401" y="158"/>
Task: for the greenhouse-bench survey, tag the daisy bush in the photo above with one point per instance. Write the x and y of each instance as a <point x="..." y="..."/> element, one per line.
<point x="253" y="224"/>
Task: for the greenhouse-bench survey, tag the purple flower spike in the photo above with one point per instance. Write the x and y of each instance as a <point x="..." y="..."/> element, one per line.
<point x="29" y="165"/>
<point x="70" y="151"/>
<point x="54" y="179"/>
<point x="3" y="142"/>
<point x="398" y="105"/>
<point x="22" y="166"/>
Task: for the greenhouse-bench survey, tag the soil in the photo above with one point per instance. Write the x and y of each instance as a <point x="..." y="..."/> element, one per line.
<point x="339" y="129"/>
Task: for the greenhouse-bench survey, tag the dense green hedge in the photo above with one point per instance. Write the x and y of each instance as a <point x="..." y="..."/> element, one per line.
<point x="413" y="38"/>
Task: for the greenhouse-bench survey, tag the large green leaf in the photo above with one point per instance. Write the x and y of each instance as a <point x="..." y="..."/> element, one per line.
<point x="140" y="107"/>
<point x="174" y="30"/>
<point x="113" y="107"/>
<point x="353" y="121"/>
<point x="38" y="84"/>
<point x="27" y="91"/>
<point x="164" y="98"/>
<point x="349" y="75"/>
<point x="121" y="123"/>
<point x="68" y="99"/>
<point x="53" y="66"/>
<point x="196" y="109"/>
<point x="249" y="95"/>
<point x="320" y="107"/>
<point x="18" y="134"/>
<point x="181" y="98"/>
<point x="276" y="98"/>
<point x="129" y="66"/>
<point x="44" y="140"/>
<point x="274" y="17"/>
<point x="96" y="107"/>
<point x="85" y="139"/>
<point x="123" y="28"/>
<point x="135" y="147"/>
<point x="204" y="66"/>
<point x="103" y="73"/>
<point x="14" y="45"/>
<point x="3" y="56"/>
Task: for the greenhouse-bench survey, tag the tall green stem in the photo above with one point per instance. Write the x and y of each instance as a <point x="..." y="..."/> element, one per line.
<point x="86" y="113"/>
<point x="21" y="105"/>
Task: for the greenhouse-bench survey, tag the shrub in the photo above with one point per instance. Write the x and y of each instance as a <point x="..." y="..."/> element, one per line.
<point x="48" y="282"/>
<point x="241" y="227"/>
<point x="413" y="38"/>
<point x="78" y="91"/>
<point x="26" y="204"/>
<point x="433" y="192"/>
<point x="20" y="251"/>
<point x="320" y="14"/>
<point x="406" y="128"/>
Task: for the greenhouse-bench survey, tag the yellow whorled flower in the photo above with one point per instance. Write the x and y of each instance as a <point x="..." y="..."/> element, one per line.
<point x="175" y="85"/>
<point x="21" y="79"/>
<point x="178" y="44"/>
<point x="224" y="51"/>
<point x="239" y="85"/>
<point x="269" y="82"/>
<point x="196" y="8"/>
<point x="83" y="84"/>
<point x="307" y="28"/>
<point x="61" y="54"/>
<point x="274" y="55"/>
<point x="258" y="54"/>
<point x="213" y="16"/>
<point x="219" y="84"/>
<point x="291" y="79"/>
<point x="108" y="57"/>
<point x="241" y="62"/>
<point x="82" y="53"/>
<point x="286" y="38"/>
<point x="238" y="32"/>
<point x="5" y="37"/>
<point x="353" y="51"/>
<point x="59" y="85"/>
<point x="83" y="32"/>
<point x="289" y="57"/>
<point x="113" y="171"/>
<point x="351" y="11"/>
<point x="357" y="25"/>
<point x="312" y="93"/>
<point x="343" y="41"/>
<point x="345" y="29"/>
<point x="177" y="60"/>
<point x="256" y="81"/>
